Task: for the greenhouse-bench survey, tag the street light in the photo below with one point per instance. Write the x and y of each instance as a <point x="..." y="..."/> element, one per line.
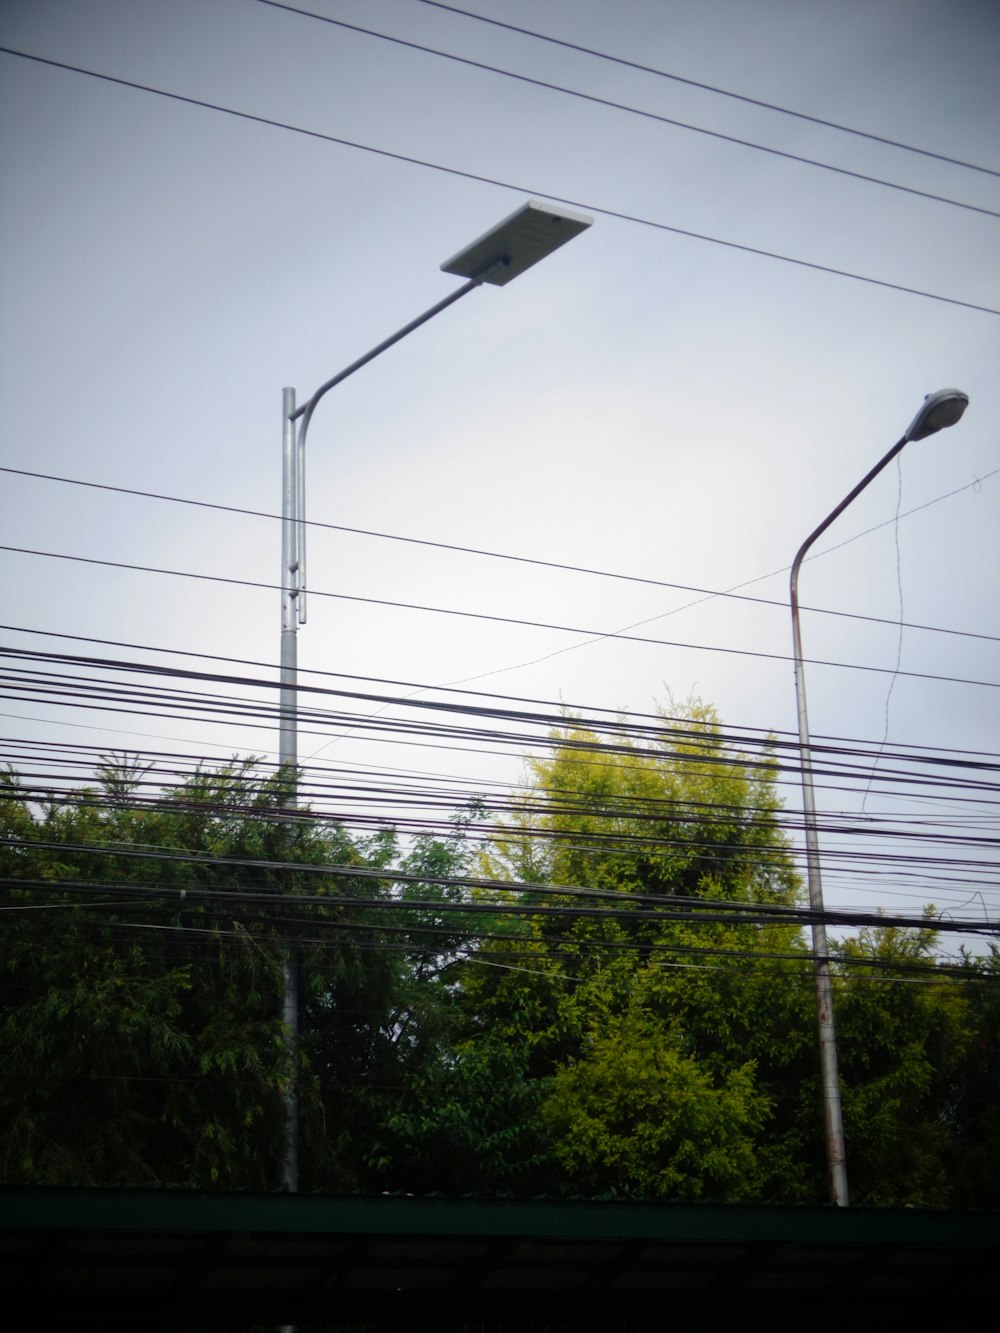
<point x="528" y="235"/>
<point x="938" y="411"/>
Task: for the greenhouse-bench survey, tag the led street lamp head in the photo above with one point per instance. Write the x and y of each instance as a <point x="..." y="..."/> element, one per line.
<point x="512" y="246"/>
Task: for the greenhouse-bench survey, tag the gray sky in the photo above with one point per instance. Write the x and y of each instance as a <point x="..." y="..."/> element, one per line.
<point x="643" y="402"/>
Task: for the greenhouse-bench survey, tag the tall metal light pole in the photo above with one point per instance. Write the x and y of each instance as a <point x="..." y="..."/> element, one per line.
<point x="531" y="233"/>
<point x="938" y="411"/>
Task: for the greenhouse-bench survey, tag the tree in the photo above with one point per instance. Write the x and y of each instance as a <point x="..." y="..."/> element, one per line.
<point x="664" y="1022"/>
<point x="903" y="1029"/>
<point x="623" y="1004"/>
<point x="974" y="1148"/>
<point x="636" y="1114"/>
<point x="142" y="1039"/>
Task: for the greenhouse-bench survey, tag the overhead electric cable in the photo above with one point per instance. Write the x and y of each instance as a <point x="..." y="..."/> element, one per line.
<point x="317" y="783"/>
<point x="712" y="88"/>
<point x="614" y="823"/>
<point x="631" y="110"/>
<point x="846" y="764"/>
<point x="595" y="731"/>
<point x="697" y="838"/>
<point x="618" y="214"/>
<point x="714" y="913"/>
<point x="391" y="798"/>
<point x="707" y="593"/>
<point x="832" y="761"/>
<point x="563" y="713"/>
<point x="495" y="619"/>
<point x="942" y="798"/>
<point x="461" y="951"/>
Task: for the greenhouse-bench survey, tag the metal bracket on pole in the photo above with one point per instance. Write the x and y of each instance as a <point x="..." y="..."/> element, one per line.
<point x="290" y="582"/>
<point x="300" y="522"/>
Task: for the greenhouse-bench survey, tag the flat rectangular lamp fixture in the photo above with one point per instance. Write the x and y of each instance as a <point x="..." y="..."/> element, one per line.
<point x="513" y="245"/>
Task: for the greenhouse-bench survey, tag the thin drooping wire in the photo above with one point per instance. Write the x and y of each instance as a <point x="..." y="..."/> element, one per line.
<point x="615" y="822"/>
<point x="419" y="940"/>
<point x="550" y="719"/>
<point x="712" y="88"/>
<point x="920" y="863"/>
<point x="899" y="640"/>
<point x="610" y="104"/>
<point x="410" y="813"/>
<point x="692" y="832"/>
<point x="706" y="594"/>
<point x="386" y="874"/>
<point x="348" y="871"/>
<point x="183" y="800"/>
<point x="76" y="691"/>
<point x="489" y="618"/>
<point x="618" y="214"/>
<point x="633" y="826"/>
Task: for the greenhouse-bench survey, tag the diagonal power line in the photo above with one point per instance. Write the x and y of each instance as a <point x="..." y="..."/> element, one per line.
<point x="519" y="187"/>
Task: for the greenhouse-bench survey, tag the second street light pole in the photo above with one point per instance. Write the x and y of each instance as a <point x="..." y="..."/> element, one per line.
<point x="938" y="411"/>
<point x="505" y="251"/>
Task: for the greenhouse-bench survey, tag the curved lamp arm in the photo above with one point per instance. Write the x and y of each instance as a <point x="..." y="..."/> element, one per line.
<point x="938" y="411"/>
<point x="297" y="563"/>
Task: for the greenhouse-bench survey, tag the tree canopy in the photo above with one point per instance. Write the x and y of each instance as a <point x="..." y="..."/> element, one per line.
<point x="604" y="991"/>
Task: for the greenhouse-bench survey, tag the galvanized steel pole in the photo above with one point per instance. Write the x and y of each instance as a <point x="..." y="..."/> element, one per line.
<point x="514" y="245"/>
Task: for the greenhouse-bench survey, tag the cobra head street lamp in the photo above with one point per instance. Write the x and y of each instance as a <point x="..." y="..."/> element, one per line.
<point x="939" y="410"/>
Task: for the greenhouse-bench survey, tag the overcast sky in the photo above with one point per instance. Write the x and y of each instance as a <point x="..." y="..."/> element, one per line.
<point x="644" y="402"/>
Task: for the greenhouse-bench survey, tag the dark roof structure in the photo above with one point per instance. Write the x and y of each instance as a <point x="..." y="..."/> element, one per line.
<point x="170" y="1259"/>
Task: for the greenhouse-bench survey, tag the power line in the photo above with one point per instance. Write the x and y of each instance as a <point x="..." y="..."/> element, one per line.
<point x="586" y="716"/>
<point x="690" y="911"/>
<point x="599" y="737"/>
<point x="632" y="110"/>
<point x="940" y="789"/>
<point x="613" y="823"/>
<point x="363" y="783"/>
<point x="355" y="787"/>
<point x="707" y="593"/>
<point x="617" y="214"/>
<point x="489" y="618"/>
<point x="560" y="950"/>
<point x="601" y="828"/>
<point x="696" y="820"/>
<point x="696" y="839"/>
<point x="413" y="806"/>
<point x="711" y="88"/>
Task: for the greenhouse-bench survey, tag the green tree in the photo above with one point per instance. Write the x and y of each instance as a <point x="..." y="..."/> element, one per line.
<point x="974" y="1150"/>
<point x="903" y="1030"/>
<point x="141" y="1032"/>
<point x="623" y="1006"/>
<point x="636" y="1114"/>
<point x="665" y="1021"/>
